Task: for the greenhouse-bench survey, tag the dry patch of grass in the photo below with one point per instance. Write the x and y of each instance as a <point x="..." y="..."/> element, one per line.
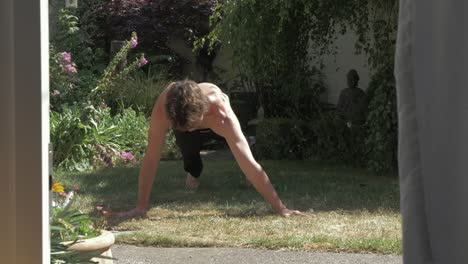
<point x="216" y="226"/>
<point x="353" y="211"/>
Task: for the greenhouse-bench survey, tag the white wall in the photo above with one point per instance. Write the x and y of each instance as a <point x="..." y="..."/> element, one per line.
<point x="337" y="67"/>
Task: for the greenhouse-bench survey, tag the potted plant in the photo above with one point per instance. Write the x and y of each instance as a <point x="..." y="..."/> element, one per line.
<point x="73" y="236"/>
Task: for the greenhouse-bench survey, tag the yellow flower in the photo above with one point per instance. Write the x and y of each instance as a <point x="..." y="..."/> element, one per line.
<point x="57" y="188"/>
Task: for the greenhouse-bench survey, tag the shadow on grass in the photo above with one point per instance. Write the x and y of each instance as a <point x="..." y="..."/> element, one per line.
<point x="302" y="185"/>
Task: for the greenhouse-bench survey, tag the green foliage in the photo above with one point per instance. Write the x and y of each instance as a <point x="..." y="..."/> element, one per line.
<point x="382" y="121"/>
<point x="85" y="137"/>
<point x="67" y="34"/>
<point x="66" y="134"/>
<point x="112" y="75"/>
<point x="330" y="139"/>
<point x="62" y="81"/>
<point x="325" y="138"/>
<point x="170" y="150"/>
<point x="71" y="224"/>
<point x="67" y="227"/>
<point x="276" y="43"/>
<point x="270" y="41"/>
<point x="280" y="138"/>
<point x="82" y="135"/>
<point x="84" y="132"/>
<point x="138" y="91"/>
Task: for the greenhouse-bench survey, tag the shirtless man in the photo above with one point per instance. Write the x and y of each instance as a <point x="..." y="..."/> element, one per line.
<point x="186" y="106"/>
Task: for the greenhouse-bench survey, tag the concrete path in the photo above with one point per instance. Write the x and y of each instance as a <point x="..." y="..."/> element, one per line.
<point x="147" y="255"/>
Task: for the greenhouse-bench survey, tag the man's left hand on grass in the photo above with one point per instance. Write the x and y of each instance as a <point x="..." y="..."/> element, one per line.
<point x="287" y="213"/>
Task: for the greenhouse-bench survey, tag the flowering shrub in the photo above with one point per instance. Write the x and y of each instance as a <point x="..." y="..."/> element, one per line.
<point x="111" y="74"/>
<point x="62" y="77"/>
<point x="127" y="157"/>
<point x="85" y="137"/>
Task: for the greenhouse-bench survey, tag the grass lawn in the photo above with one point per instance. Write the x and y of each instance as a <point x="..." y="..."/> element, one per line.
<point x="353" y="210"/>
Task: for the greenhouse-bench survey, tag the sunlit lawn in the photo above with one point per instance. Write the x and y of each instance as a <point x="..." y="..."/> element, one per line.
<point x="354" y="211"/>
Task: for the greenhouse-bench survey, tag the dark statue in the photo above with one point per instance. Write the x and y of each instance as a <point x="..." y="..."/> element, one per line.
<point x="353" y="101"/>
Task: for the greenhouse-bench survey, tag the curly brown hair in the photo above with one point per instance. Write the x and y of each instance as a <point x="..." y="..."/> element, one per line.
<point x="185" y="104"/>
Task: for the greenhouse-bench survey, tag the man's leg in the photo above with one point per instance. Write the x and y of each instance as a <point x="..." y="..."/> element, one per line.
<point x="189" y="144"/>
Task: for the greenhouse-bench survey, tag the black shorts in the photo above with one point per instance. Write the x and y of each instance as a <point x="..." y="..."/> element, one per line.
<point x="190" y="144"/>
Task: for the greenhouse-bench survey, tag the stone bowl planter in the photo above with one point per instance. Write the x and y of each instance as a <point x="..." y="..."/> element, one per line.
<point x="101" y="243"/>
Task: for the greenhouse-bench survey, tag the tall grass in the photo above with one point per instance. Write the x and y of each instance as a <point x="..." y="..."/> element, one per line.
<point x="139" y="90"/>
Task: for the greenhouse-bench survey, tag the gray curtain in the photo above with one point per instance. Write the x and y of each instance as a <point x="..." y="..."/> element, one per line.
<point x="432" y="87"/>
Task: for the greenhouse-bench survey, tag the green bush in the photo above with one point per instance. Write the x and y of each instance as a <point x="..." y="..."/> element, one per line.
<point x="330" y="139"/>
<point x="66" y="134"/>
<point x="66" y="35"/>
<point x="83" y="134"/>
<point x="138" y="91"/>
<point x="382" y="123"/>
<point x="171" y="150"/>
<point x="86" y="137"/>
<point x="324" y="138"/>
<point x="280" y="138"/>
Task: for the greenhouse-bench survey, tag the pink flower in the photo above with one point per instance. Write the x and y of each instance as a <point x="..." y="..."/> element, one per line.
<point x="70" y="69"/>
<point x="143" y="62"/>
<point x="64" y="194"/>
<point x="134" y="43"/>
<point x="103" y="105"/>
<point x="75" y="187"/>
<point x="66" y="57"/>
<point x="128" y="156"/>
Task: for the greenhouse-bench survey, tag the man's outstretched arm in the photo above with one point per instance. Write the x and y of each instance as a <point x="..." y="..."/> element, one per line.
<point x="252" y="170"/>
<point x="150" y="162"/>
<point x="156" y="134"/>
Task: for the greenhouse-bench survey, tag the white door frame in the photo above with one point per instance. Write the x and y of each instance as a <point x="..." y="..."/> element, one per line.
<point x="24" y="131"/>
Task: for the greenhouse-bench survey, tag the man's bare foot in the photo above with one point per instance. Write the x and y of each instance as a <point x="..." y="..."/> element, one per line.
<point x="191" y="182"/>
<point x="134" y="213"/>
